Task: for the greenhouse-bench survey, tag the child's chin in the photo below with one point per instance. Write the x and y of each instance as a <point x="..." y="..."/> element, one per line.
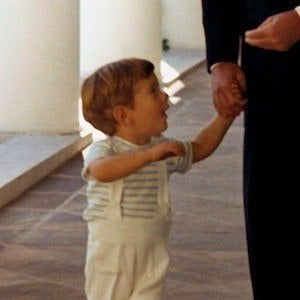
<point x="164" y="128"/>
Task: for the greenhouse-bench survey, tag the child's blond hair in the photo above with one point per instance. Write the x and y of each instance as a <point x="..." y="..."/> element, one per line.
<point x="111" y="85"/>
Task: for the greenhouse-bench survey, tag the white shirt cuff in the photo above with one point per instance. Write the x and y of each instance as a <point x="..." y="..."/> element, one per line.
<point x="297" y="9"/>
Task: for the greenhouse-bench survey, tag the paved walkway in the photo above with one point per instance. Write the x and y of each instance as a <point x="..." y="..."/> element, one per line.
<point x="43" y="237"/>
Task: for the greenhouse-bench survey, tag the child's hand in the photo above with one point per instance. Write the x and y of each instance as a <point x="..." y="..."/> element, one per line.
<point x="240" y="100"/>
<point x="236" y="90"/>
<point x="163" y="150"/>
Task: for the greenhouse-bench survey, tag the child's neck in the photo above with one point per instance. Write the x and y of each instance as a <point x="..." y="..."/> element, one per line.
<point x="133" y="137"/>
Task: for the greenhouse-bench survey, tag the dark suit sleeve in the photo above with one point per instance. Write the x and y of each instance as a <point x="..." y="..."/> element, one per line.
<point x="221" y="21"/>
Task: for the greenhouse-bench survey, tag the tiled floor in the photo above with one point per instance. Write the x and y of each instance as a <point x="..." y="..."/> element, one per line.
<point x="43" y="237"/>
<point x="178" y="61"/>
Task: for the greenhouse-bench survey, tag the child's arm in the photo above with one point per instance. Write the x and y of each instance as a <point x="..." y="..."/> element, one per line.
<point x="121" y="165"/>
<point x="210" y="137"/>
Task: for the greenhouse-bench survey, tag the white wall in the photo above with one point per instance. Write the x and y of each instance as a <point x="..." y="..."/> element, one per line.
<point x="114" y="29"/>
<point x="39" y="64"/>
<point x="182" y="23"/>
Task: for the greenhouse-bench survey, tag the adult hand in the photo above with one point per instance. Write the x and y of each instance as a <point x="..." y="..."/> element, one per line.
<point x="278" y="32"/>
<point x="228" y="87"/>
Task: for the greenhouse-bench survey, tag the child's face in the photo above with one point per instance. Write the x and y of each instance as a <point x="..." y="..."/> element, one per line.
<point x="149" y="110"/>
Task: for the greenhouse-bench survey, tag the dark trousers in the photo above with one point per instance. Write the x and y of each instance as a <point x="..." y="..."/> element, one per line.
<point x="272" y="218"/>
<point x="270" y="171"/>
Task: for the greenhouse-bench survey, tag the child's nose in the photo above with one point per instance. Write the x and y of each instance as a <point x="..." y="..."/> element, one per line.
<point x="165" y="100"/>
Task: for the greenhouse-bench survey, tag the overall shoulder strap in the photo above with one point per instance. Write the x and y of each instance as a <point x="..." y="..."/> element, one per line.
<point x="115" y="209"/>
<point x="163" y="187"/>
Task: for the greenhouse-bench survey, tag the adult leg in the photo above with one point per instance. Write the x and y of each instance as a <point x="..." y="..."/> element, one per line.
<point x="270" y="168"/>
<point x="270" y="190"/>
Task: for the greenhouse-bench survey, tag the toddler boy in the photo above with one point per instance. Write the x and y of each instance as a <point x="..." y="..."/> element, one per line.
<point x="128" y="210"/>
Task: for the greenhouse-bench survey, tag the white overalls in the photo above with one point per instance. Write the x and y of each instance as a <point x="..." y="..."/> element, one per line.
<point x="128" y="259"/>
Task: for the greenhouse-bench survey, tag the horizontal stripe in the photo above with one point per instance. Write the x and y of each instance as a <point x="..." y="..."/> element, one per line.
<point x="141" y="180"/>
<point x="138" y="209"/>
<point x="140" y="195"/>
<point x="152" y="164"/>
<point x="92" y="215"/>
<point x="140" y="188"/>
<point x="147" y="172"/>
<point x="100" y="185"/>
<point x="137" y="216"/>
<point x="170" y="162"/>
<point x="104" y="199"/>
<point x="139" y="202"/>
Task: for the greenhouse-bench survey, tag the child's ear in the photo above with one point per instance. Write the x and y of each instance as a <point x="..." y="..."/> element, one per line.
<point x="122" y="115"/>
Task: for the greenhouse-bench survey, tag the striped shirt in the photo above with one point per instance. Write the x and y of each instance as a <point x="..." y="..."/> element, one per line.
<point x="140" y="191"/>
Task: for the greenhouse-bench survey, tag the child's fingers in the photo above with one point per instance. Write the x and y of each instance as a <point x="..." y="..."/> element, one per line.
<point x="166" y="155"/>
<point x="241" y="82"/>
<point x="238" y="96"/>
<point x="165" y="150"/>
<point x="234" y="87"/>
<point x="174" y="149"/>
<point x="178" y="149"/>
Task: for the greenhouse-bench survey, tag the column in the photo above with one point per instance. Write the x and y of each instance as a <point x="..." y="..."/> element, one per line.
<point x="114" y="29"/>
<point x="182" y="24"/>
<point x="39" y="66"/>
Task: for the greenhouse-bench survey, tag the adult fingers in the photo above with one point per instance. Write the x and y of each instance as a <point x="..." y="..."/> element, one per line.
<point x="256" y="34"/>
<point x="261" y="43"/>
